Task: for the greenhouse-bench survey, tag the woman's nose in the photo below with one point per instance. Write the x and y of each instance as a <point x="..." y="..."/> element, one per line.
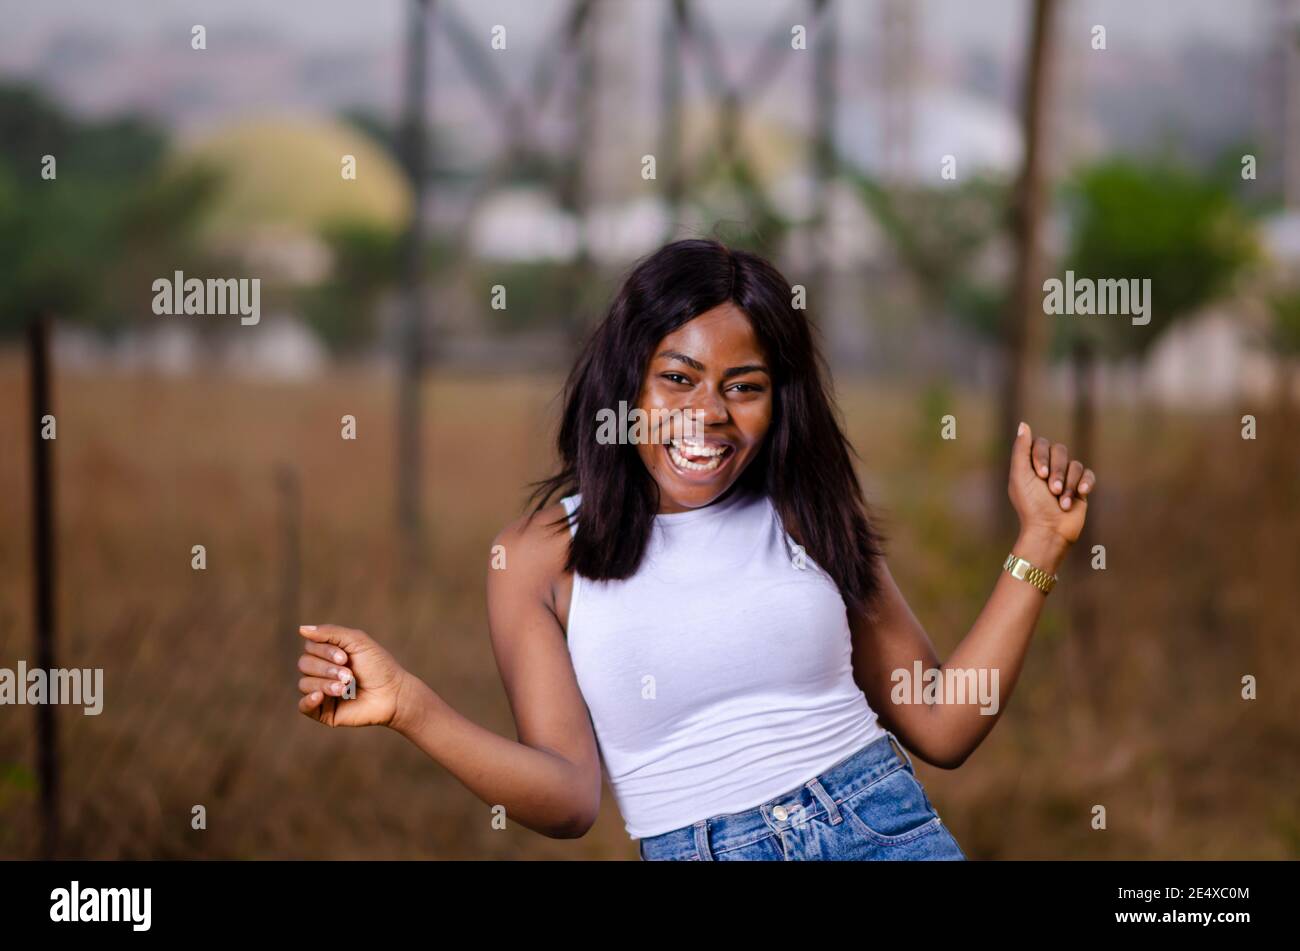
<point x="709" y="407"/>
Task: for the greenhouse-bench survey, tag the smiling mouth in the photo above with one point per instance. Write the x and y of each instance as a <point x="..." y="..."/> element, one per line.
<point x="698" y="457"/>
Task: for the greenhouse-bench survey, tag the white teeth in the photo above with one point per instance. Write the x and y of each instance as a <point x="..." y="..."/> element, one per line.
<point x="684" y="463"/>
<point x="699" y="448"/>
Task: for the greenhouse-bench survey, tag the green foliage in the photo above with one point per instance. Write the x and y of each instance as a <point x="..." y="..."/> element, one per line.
<point x="16" y="776"/>
<point x="1159" y="220"/>
<point x="1285" y="331"/>
<point x="376" y="127"/>
<point x="76" y="245"/>
<point x="730" y="184"/>
<point x="980" y="305"/>
<point x="933" y="403"/>
<point x="366" y="263"/>
<point x="540" y="296"/>
<point x="1227" y="168"/>
<point x="940" y="235"/>
<point x="32" y="126"/>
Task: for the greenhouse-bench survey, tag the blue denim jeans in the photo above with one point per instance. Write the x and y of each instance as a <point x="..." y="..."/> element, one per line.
<point x="869" y="805"/>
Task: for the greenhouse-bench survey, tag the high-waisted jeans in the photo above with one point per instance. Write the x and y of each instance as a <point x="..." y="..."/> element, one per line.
<point x="869" y="805"/>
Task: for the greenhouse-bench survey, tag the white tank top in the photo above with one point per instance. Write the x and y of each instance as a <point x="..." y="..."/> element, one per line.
<point x="719" y="676"/>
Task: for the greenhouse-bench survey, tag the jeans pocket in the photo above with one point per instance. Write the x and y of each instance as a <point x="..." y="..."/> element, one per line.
<point x="892" y="810"/>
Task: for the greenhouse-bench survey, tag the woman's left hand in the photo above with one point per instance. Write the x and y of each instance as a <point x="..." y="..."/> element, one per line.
<point x="1048" y="489"/>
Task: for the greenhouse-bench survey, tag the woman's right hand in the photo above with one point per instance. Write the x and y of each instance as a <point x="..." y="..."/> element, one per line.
<point x="333" y="656"/>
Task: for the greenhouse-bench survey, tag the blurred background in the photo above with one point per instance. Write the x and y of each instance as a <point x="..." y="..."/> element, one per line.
<point x="921" y="168"/>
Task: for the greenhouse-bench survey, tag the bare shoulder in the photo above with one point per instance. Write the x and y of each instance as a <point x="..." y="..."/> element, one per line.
<point x="529" y="553"/>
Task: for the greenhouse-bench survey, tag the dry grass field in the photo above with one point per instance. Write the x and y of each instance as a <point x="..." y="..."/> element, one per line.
<point x="1202" y="536"/>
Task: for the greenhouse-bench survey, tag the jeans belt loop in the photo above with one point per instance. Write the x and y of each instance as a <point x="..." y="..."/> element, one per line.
<point x="832" y="811"/>
<point x="702" y="840"/>
<point x="899" y="745"/>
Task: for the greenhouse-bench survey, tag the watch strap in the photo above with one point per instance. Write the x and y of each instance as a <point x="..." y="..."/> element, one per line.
<point x="1018" y="567"/>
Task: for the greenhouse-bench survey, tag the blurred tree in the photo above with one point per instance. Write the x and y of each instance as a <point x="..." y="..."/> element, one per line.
<point x="941" y="236"/>
<point x="728" y="191"/>
<point x="67" y="243"/>
<point x="943" y="239"/>
<point x="32" y="126"/>
<point x="1157" y="219"/>
<point x="377" y="127"/>
<point x="1284" y="334"/>
<point x="342" y="308"/>
<point x="538" y="291"/>
<point x="1154" y="220"/>
<point x="1284" y="340"/>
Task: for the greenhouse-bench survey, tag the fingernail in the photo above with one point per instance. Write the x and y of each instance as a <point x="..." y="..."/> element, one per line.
<point x="344" y="676"/>
<point x="339" y="658"/>
<point x="1065" y="503"/>
<point x="306" y="627"/>
<point x="315" y="695"/>
<point x="1042" y="470"/>
<point x="1056" y="486"/>
<point x="1020" y="431"/>
<point x="336" y="688"/>
<point x="1084" y="488"/>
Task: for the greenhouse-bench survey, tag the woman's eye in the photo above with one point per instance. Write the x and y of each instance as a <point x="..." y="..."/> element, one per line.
<point x="748" y="388"/>
<point x="675" y="378"/>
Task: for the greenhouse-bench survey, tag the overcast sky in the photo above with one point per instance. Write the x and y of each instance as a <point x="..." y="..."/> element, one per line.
<point x="1146" y="23"/>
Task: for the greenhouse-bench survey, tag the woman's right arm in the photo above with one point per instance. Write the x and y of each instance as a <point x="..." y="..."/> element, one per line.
<point x="549" y="780"/>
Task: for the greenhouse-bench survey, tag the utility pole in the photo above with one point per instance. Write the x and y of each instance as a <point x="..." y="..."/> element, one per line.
<point x="43" y="581"/>
<point x="824" y="154"/>
<point x="1023" y="328"/>
<point x="897" y="86"/>
<point x="670" y="112"/>
<point x="411" y="347"/>
<point x="1288" y="15"/>
<point x="575" y="182"/>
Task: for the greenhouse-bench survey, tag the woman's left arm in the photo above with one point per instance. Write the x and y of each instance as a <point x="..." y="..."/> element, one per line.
<point x="1049" y="492"/>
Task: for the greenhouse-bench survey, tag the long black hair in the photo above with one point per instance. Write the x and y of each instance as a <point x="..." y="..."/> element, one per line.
<point x="804" y="464"/>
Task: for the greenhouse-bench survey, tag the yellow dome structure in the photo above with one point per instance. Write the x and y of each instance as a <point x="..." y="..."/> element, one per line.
<point x="286" y="175"/>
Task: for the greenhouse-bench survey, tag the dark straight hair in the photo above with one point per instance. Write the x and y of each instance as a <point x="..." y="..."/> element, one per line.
<point x="804" y="465"/>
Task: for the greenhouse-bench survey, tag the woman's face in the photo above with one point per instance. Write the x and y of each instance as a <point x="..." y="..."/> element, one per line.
<point x="711" y="370"/>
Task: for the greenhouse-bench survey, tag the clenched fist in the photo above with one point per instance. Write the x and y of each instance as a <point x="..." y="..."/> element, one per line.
<point x="333" y="658"/>
<point x="1048" y="489"/>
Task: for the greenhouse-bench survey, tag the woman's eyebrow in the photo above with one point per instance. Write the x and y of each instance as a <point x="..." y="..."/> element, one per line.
<point x="747" y="368"/>
<point x="675" y="355"/>
<point x="698" y="366"/>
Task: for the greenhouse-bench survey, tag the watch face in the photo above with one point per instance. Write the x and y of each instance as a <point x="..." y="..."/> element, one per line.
<point x="1018" y="571"/>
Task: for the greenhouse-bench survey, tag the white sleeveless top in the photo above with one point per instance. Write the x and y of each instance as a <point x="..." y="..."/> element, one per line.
<point x="719" y="676"/>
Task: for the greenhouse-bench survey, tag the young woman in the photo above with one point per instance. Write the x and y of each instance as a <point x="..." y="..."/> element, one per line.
<point x="707" y="613"/>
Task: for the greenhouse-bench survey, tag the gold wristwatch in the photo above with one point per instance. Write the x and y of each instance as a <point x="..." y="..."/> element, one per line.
<point x="1023" y="570"/>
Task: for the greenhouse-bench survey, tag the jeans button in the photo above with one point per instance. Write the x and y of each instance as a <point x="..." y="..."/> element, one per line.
<point x="780" y="813"/>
